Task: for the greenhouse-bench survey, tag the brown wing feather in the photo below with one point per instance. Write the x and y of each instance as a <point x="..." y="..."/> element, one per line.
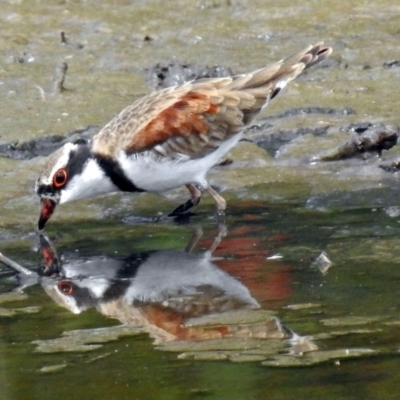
<point x="183" y="118"/>
<point x="120" y="131"/>
<point x="194" y="118"/>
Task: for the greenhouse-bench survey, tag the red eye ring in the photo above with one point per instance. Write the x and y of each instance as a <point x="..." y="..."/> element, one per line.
<point x="60" y="178"/>
<point x="65" y="287"/>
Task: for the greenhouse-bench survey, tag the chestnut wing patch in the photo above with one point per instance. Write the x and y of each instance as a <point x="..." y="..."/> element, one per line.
<point x="190" y="120"/>
<point x="185" y="128"/>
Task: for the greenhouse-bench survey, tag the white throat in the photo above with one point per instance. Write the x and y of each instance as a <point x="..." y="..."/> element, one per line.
<point x="91" y="182"/>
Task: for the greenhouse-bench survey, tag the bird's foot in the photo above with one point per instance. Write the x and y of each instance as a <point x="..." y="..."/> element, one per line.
<point x="182" y="209"/>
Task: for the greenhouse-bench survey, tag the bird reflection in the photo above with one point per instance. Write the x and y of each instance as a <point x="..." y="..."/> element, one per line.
<point x="164" y="292"/>
<point x="169" y="294"/>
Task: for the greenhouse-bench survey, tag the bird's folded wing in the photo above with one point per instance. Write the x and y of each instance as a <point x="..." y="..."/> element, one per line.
<point x="193" y="119"/>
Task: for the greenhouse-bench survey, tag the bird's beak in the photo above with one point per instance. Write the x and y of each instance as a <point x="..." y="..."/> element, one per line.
<point x="50" y="259"/>
<point x="48" y="207"/>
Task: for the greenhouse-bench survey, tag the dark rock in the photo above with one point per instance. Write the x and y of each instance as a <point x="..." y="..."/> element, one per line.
<point x="44" y="146"/>
<point x="370" y="139"/>
<point x="274" y="141"/>
<point x="391" y="64"/>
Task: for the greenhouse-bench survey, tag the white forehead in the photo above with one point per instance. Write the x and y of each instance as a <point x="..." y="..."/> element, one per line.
<point x="59" y="160"/>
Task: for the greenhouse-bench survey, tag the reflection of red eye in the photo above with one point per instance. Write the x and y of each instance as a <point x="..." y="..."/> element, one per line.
<point x="65" y="287"/>
<point x="60" y="178"/>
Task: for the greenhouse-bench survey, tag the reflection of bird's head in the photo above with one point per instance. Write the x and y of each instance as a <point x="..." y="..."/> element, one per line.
<point x="83" y="284"/>
<point x="68" y="294"/>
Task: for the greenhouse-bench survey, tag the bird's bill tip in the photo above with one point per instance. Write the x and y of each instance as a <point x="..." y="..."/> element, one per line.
<point x="47" y="210"/>
<point x="50" y="259"/>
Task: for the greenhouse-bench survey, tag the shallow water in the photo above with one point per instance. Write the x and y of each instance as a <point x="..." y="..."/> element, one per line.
<point x="348" y="314"/>
<point x="283" y="212"/>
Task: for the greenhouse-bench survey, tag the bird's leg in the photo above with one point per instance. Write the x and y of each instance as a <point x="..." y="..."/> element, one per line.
<point x="196" y="236"/>
<point x="221" y="203"/>
<point x="193" y="201"/>
<point x="222" y="232"/>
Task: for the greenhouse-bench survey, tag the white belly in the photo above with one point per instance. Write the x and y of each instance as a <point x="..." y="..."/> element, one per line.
<point x="163" y="174"/>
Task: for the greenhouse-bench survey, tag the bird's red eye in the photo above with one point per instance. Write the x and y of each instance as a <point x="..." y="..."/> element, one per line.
<point x="60" y="178"/>
<point x="66" y="287"/>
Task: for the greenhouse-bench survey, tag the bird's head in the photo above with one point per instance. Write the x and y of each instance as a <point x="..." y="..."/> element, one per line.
<point x="61" y="178"/>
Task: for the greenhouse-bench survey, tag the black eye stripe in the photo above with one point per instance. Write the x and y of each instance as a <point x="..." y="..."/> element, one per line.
<point x="77" y="159"/>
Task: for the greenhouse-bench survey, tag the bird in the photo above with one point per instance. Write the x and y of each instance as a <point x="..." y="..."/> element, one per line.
<point x="173" y="294"/>
<point x="168" y="139"/>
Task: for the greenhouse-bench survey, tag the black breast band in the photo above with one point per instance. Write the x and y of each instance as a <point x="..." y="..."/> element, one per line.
<point x="114" y="171"/>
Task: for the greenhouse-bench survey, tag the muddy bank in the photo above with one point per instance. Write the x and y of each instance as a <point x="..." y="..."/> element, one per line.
<point x="111" y="54"/>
